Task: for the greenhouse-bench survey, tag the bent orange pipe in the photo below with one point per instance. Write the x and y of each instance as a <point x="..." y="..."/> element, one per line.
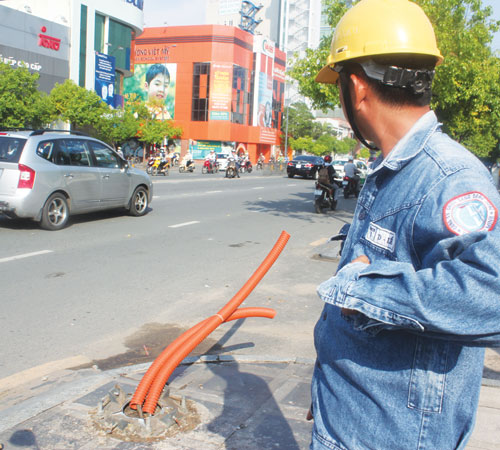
<point x="147" y="379"/>
<point x="209" y="325"/>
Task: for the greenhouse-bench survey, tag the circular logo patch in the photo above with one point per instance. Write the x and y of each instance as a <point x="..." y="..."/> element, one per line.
<point x="469" y="212"/>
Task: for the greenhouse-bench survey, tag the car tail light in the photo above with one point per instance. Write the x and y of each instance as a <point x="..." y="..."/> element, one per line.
<point x="26" y="177"/>
<point x="290" y="164"/>
<point x="308" y="165"/>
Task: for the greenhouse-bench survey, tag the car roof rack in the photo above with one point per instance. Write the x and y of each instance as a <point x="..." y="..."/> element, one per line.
<point x="48" y="130"/>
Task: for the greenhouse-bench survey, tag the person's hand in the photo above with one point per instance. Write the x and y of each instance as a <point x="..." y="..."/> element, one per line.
<point x="309" y="415"/>
<point x="363" y="259"/>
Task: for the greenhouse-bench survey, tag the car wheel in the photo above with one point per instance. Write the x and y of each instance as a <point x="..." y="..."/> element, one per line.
<point x="139" y="202"/>
<point x="55" y="213"/>
<point x="290" y="175"/>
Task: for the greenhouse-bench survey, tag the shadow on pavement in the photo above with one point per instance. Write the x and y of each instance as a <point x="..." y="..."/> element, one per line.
<point x="250" y="417"/>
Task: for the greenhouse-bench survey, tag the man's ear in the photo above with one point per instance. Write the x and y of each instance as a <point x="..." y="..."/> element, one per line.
<point x="358" y="92"/>
<point x="146" y="85"/>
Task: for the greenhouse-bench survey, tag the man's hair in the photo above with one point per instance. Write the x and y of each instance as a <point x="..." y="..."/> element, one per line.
<point x="396" y="96"/>
<point x="155" y="70"/>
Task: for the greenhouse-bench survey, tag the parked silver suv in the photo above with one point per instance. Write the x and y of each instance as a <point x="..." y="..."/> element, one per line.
<point x="46" y="175"/>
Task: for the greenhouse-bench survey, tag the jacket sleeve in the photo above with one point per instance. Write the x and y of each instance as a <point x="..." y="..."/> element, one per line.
<point x="454" y="293"/>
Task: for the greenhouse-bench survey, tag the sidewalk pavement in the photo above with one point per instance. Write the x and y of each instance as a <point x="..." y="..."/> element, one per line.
<point x="244" y="403"/>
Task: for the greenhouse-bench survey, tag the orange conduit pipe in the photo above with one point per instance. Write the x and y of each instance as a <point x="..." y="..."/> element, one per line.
<point x="189" y="340"/>
<point x="147" y="379"/>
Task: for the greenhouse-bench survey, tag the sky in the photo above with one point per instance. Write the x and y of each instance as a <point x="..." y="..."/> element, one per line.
<point x="159" y="13"/>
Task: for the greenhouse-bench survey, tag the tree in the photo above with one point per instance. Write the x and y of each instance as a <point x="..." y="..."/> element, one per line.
<point x="467" y="83"/>
<point x="77" y="105"/>
<point x="301" y="122"/>
<point x="21" y="104"/>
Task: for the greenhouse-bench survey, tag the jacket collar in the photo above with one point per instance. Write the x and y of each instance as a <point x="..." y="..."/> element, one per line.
<point x="410" y="144"/>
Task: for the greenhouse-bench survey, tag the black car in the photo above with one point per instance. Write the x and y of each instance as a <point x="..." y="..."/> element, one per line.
<point x="305" y="165"/>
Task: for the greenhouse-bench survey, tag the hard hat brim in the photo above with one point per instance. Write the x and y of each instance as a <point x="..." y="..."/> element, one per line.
<point x="327" y="75"/>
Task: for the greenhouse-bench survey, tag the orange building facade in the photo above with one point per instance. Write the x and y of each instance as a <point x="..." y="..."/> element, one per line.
<point x="222" y="85"/>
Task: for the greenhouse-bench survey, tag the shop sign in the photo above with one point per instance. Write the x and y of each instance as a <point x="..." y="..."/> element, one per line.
<point x="48" y="41"/>
<point x="137" y="3"/>
<point x="221" y="91"/>
<point x="105" y="77"/>
<point x="11" y="61"/>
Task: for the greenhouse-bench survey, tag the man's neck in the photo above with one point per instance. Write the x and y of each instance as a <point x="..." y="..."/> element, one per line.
<point x="391" y="125"/>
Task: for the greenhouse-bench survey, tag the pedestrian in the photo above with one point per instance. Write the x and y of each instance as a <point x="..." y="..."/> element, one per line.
<point x="415" y="299"/>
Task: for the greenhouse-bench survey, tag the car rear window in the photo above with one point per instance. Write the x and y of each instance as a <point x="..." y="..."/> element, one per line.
<point x="11" y="149"/>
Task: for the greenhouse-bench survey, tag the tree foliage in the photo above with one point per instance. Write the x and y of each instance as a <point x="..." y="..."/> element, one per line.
<point x="467" y="84"/>
<point x="21" y="104"/>
<point x="77" y="105"/>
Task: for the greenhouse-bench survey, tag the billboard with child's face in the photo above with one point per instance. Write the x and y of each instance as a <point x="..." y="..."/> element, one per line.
<point x="154" y="83"/>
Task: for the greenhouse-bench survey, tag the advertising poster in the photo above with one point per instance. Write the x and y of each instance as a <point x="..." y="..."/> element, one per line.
<point x="265" y="112"/>
<point x="154" y="83"/>
<point x="105" y="77"/>
<point x="202" y="148"/>
<point x="221" y="91"/>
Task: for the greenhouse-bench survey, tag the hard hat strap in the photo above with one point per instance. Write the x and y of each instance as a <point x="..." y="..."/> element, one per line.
<point x="418" y="80"/>
<point x="346" y="95"/>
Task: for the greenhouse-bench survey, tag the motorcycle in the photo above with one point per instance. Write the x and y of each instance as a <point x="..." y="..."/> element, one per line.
<point x="246" y="166"/>
<point x="186" y="166"/>
<point x="231" y="169"/>
<point x="209" y="167"/>
<point x="325" y="196"/>
<point x="156" y="166"/>
<point x="350" y="186"/>
<point x="260" y="165"/>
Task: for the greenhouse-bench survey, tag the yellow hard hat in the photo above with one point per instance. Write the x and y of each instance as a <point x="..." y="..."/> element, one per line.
<point x="380" y="27"/>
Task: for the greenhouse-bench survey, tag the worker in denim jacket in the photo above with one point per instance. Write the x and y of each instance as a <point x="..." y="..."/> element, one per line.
<point x="416" y="298"/>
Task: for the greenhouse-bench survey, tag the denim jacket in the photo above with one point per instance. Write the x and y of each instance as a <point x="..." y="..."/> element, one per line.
<point x="405" y="371"/>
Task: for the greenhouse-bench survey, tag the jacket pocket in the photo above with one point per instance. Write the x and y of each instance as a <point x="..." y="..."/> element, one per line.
<point x="428" y="375"/>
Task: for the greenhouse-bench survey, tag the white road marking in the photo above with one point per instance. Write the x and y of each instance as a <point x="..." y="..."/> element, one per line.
<point x="25" y="255"/>
<point x="291" y="185"/>
<point x="183" y="224"/>
<point x="212" y="192"/>
<point x="258" y="187"/>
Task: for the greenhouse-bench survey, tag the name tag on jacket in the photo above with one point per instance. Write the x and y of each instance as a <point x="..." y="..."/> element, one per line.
<point x="381" y="237"/>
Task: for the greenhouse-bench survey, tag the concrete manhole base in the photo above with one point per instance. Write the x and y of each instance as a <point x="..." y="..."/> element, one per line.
<point x="114" y="418"/>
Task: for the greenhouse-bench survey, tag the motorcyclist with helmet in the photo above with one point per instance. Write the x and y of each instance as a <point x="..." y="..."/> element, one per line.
<point x="414" y="300"/>
<point x="351" y="171"/>
<point x="326" y="183"/>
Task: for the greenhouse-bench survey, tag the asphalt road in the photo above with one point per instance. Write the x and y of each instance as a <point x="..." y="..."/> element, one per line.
<point x="115" y="289"/>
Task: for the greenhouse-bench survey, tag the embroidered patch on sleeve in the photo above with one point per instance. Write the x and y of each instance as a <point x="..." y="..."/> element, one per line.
<point x="381" y="237"/>
<point x="469" y="212"/>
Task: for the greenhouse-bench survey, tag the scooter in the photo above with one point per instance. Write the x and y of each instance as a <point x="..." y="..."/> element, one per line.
<point x="350" y="186"/>
<point x="325" y="197"/>
<point x="186" y="166"/>
<point x="246" y="166"/>
<point x="158" y="167"/>
<point x="209" y="166"/>
<point x="231" y="169"/>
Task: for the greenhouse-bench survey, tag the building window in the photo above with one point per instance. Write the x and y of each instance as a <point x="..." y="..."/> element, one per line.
<point x="278" y="99"/>
<point x="201" y="92"/>
<point x="239" y="103"/>
<point x="99" y="33"/>
<point x="83" y="46"/>
<point x="120" y="37"/>
<point x="250" y="94"/>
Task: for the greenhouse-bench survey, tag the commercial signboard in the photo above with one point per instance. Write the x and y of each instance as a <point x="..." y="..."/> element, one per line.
<point x="105" y="77"/>
<point x="36" y="44"/>
<point x="221" y="81"/>
<point x="155" y="84"/>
